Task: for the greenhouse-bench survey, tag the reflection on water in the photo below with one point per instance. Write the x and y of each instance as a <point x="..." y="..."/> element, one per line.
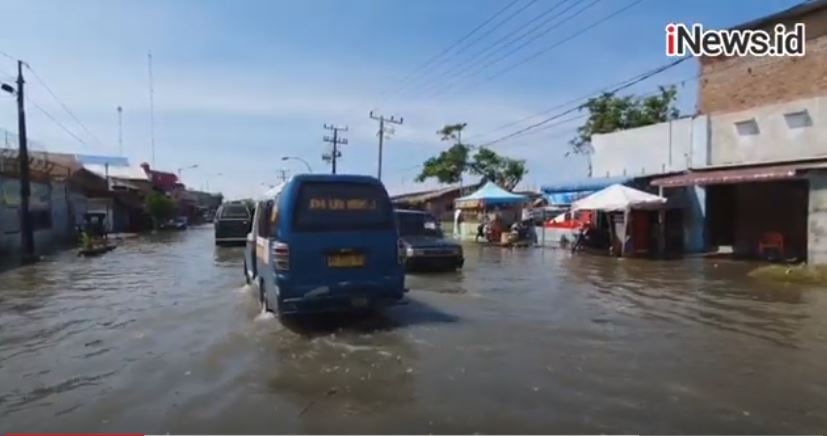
<point x="161" y="335"/>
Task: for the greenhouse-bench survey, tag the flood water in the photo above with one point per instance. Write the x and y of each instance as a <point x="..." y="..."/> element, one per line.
<point x="161" y="336"/>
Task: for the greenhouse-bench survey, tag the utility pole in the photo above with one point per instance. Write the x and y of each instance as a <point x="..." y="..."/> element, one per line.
<point x="382" y="120"/>
<point x="26" y="230"/>
<point x="335" y="140"/>
<point x="151" y="108"/>
<point x="283" y="174"/>
<point x="120" y="130"/>
<point x="109" y="220"/>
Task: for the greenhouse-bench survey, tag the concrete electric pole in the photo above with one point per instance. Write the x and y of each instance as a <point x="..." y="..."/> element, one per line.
<point x="382" y="120"/>
<point x="26" y="228"/>
<point x="282" y="174"/>
<point x="151" y="107"/>
<point x="120" y="130"/>
<point x="335" y="140"/>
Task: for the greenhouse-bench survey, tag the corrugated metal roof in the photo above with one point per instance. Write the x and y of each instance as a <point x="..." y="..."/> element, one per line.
<point x="423" y="196"/>
<point x="117" y="161"/>
<point x="126" y="173"/>
<point x="762" y="173"/>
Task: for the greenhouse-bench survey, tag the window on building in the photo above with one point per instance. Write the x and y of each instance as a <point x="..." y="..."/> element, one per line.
<point x="797" y="120"/>
<point x="747" y="127"/>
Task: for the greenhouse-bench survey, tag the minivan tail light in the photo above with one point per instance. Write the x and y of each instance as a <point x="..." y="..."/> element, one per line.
<point x="281" y="256"/>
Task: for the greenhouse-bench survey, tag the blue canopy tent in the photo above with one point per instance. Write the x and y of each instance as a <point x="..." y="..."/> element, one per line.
<point x="489" y="195"/>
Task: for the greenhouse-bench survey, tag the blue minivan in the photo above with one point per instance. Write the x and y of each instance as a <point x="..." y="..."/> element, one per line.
<point x="324" y="243"/>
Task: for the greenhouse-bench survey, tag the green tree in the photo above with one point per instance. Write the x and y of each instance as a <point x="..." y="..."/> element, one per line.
<point x="451" y="164"/>
<point x="448" y="167"/>
<point x="452" y="132"/>
<point x="608" y="113"/>
<point x="159" y="207"/>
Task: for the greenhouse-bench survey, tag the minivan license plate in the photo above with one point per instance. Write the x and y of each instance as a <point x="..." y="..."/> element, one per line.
<point x="346" y="261"/>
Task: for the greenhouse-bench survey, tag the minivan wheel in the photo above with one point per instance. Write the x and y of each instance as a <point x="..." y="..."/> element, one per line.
<point x="246" y="272"/>
<point x="262" y="298"/>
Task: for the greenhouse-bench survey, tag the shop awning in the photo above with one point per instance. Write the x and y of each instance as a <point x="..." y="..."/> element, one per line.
<point x="737" y="175"/>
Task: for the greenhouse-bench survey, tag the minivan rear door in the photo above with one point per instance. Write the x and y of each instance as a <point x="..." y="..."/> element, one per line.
<point x="342" y="232"/>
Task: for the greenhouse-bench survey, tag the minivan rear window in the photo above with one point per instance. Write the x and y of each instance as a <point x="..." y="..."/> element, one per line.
<point x="338" y="206"/>
<point x="235" y="211"/>
<point x="417" y="224"/>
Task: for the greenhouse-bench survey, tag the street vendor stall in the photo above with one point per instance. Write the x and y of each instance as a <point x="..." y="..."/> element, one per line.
<point x="489" y="204"/>
<point x="629" y="216"/>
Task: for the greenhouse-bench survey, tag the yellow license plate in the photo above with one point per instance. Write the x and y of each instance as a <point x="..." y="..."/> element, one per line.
<point x="346" y="261"/>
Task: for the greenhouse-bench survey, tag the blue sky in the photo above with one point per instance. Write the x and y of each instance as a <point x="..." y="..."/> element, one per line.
<point x="238" y="84"/>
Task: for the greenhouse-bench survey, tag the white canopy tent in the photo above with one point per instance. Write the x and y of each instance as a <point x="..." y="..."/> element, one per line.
<point x="619" y="198"/>
<point x="272" y="192"/>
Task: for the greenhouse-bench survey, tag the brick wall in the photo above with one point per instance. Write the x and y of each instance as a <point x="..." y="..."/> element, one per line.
<point x="733" y="84"/>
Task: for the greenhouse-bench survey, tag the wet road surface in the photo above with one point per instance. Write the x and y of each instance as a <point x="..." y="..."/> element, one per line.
<point x="161" y="336"/>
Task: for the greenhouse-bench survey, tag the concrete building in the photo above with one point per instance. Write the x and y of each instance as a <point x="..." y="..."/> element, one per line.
<point x="750" y="169"/>
<point x="53" y="204"/>
<point x="644" y="153"/>
<point x="65" y="186"/>
<point x="437" y="202"/>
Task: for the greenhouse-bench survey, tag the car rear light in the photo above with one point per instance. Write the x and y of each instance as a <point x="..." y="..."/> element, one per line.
<point x="281" y="256"/>
<point x="400" y="251"/>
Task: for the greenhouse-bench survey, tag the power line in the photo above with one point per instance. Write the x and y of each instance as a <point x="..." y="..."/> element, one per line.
<point x="549" y="24"/>
<point x="4" y="54"/>
<point x="631" y="83"/>
<point x="578" y="107"/>
<point x="547" y="125"/>
<point x="63" y="105"/>
<point x="475" y="60"/>
<point x="550" y="47"/>
<point x="569" y="38"/>
<point x="474" y="41"/>
<point x="552" y="125"/>
<point x="625" y="85"/>
<point x="562" y="122"/>
<point x="648" y="73"/>
<point x="456" y="43"/>
<point x="54" y="120"/>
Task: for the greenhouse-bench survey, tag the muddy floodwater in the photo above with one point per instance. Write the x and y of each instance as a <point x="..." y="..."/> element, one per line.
<point x="161" y="336"/>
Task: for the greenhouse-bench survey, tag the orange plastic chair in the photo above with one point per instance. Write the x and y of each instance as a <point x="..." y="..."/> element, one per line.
<point x="771" y="240"/>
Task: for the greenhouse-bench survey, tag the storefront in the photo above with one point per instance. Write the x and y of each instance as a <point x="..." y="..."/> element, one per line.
<point x="754" y="212"/>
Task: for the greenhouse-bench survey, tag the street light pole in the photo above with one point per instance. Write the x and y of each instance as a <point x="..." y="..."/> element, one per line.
<point x="185" y="168"/>
<point x="26" y="228"/>
<point x="283" y="173"/>
<point x="309" y="170"/>
<point x="120" y="130"/>
<point x="208" y="180"/>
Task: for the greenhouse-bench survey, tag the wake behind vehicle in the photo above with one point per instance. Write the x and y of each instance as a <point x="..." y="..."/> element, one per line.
<point x="324" y="243"/>
<point x="425" y="245"/>
<point x="232" y="223"/>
